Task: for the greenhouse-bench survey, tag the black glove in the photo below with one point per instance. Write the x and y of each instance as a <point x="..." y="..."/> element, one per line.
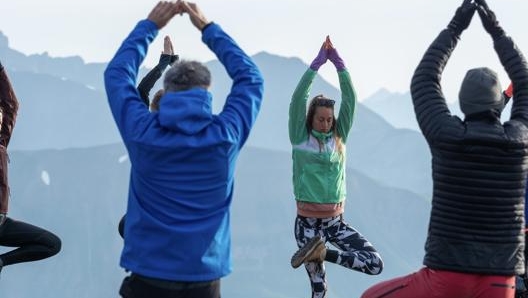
<point x="489" y="20"/>
<point x="166" y="60"/>
<point x="462" y="17"/>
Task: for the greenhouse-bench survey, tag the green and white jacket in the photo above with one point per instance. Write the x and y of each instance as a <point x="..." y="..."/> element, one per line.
<point x="319" y="171"/>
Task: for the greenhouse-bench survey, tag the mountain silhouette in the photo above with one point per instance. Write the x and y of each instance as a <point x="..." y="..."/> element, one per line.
<point x="69" y="173"/>
<point x="63" y="105"/>
<point x="80" y="194"/>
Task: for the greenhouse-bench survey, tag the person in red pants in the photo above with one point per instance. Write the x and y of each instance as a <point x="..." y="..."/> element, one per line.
<point x="475" y="242"/>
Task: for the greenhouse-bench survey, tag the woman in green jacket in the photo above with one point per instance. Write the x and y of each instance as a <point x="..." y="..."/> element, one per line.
<point x="319" y="161"/>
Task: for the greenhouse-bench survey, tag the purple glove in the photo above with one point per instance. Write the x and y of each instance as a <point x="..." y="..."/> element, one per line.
<point x="336" y="59"/>
<point x="320" y="59"/>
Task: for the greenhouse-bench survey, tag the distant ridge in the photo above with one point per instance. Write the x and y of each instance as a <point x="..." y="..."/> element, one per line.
<point x="63" y="105"/>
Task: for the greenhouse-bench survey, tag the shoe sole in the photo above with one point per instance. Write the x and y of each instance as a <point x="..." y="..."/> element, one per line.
<point x="299" y="257"/>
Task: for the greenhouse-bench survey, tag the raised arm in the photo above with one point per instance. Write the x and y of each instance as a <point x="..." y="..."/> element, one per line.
<point x="244" y="99"/>
<point x="512" y="60"/>
<point x="428" y="99"/>
<point x="167" y="58"/>
<point x="121" y="73"/>
<point x="297" y="112"/>
<point x="348" y="94"/>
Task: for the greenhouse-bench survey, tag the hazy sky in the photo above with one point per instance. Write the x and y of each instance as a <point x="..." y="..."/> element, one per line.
<point x="381" y="41"/>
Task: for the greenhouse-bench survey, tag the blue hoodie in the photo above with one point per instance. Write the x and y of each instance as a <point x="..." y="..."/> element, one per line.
<point x="182" y="161"/>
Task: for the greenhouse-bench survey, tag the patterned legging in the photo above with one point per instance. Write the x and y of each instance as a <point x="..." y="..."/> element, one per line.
<point x="355" y="252"/>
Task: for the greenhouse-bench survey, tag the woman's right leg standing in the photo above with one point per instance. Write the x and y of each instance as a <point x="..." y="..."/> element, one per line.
<point x="306" y="229"/>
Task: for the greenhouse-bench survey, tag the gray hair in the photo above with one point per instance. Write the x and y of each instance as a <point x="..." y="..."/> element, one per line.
<point x="184" y="75"/>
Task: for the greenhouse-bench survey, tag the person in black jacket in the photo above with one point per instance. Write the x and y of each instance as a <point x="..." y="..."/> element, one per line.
<point x="475" y="242"/>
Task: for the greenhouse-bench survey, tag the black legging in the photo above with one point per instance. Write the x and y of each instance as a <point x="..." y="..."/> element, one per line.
<point x="33" y="243"/>
<point x="121" y="227"/>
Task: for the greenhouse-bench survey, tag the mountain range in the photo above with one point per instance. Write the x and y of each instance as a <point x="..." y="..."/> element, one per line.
<point x="69" y="173"/>
<point x="80" y="195"/>
<point x="62" y="108"/>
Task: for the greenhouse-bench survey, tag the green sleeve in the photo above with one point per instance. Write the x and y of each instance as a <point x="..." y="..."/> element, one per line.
<point x="348" y="104"/>
<point x="297" y="118"/>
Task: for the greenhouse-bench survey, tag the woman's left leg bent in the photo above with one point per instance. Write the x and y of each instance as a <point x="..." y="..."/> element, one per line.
<point x="356" y="252"/>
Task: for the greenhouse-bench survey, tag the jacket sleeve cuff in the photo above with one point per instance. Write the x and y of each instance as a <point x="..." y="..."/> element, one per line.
<point x="150" y="25"/>
<point x="206" y="26"/>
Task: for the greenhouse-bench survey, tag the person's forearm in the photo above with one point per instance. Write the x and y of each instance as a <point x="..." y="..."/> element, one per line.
<point x="147" y="83"/>
<point x="244" y="100"/>
<point x="348" y="104"/>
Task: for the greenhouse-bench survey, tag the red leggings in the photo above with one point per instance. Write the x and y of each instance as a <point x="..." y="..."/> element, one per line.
<point x="429" y="283"/>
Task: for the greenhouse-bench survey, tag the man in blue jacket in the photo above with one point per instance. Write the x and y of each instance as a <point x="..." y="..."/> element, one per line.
<point x="177" y="231"/>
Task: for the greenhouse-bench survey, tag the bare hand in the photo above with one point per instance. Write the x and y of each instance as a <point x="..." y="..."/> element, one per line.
<point x="195" y="14"/>
<point x="167" y="46"/>
<point x="163" y="12"/>
<point x="328" y="43"/>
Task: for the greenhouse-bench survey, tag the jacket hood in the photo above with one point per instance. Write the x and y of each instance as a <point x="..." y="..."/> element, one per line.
<point x="492" y="116"/>
<point x="186" y="111"/>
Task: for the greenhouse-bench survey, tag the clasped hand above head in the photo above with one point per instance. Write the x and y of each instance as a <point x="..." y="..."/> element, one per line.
<point x="168" y="49"/>
<point x="164" y="11"/>
<point x="327" y="52"/>
<point x="465" y="12"/>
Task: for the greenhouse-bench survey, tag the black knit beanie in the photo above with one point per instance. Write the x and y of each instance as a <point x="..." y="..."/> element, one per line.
<point x="480" y="91"/>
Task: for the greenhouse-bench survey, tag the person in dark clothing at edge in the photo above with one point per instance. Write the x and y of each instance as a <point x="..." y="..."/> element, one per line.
<point x="167" y="58"/>
<point x="475" y="242"/>
<point x="33" y="243"/>
<point x="521" y="281"/>
<point x="177" y="229"/>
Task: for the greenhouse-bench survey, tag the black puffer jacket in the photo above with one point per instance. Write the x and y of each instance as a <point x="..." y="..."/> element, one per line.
<point x="479" y="169"/>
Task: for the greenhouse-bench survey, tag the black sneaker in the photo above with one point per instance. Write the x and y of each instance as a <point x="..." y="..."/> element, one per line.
<point x="310" y="251"/>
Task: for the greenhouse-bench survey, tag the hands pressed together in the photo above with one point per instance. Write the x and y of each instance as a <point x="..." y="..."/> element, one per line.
<point x="167" y="46"/>
<point x="328" y="52"/>
<point x="465" y="12"/>
<point x="164" y="11"/>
